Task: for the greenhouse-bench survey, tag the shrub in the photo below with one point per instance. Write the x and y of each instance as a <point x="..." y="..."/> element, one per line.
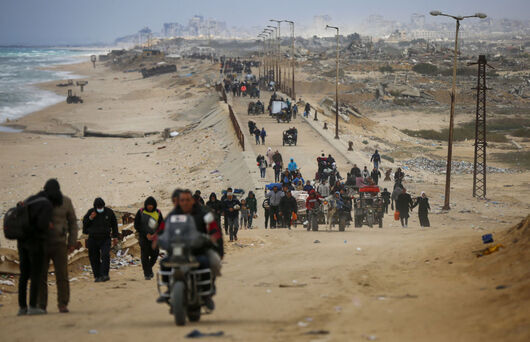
<point x="386" y="68"/>
<point x="425" y="69"/>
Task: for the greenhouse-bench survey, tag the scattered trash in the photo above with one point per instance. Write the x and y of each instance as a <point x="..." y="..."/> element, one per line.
<point x="7" y="282"/>
<point x="345" y="241"/>
<point x="316" y="241"/>
<point x="302" y="324"/>
<point x="197" y="334"/>
<point x="317" y="332"/>
<point x="501" y="287"/>
<point x="439" y="166"/>
<point x="268" y="291"/>
<point x="487" y="238"/>
<point x="370" y="337"/>
<point x="489" y="250"/>
<point x="173" y="134"/>
<point x="359" y="249"/>
<point x="160" y="147"/>
<point x="338" y="308"/>
<point x="309" y="319"/>
<point x="293" y="285"/>
<point x="93" y="331"/>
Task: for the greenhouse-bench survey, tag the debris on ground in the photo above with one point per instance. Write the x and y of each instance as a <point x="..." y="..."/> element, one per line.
<point x="7" y="282"/>
<point x="292" y="285"/>
<point x="440" y="166"/>
<point x="198" y="334"/>
<point x="489" y="250"/>
<point x="317" y="332"/>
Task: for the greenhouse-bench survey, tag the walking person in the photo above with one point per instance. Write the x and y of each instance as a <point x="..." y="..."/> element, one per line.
<point x="288" y="207"/>
<point x="252" y="207"/>
<point x="231" y="208"/>
<point x="59" y="242"/>
<point x="263" y="134"/>
<point x="266" y="211"/>
<point x="257" y="134"/>
<point x="269" y="156"/>
<point x="385" y="195"/>
<point x="376" y="158"/>
<point x="403" y="205"/>
<point x="423" y="209"/>
<point x="307" y="109"/>
<point x="376" y="174"/>
<point x="365" y="174"/>
<point x="146" y="223"/>
<point x="295" y="110"/>
<point x="100" y="224"/>
<point x="31" y="247"/>
<point x="277" y="172"/>
<point x="244" y="211"/>
<point x="262" y="167"/>
<point x="216" y="207"/>
<point x="274" y="197"/>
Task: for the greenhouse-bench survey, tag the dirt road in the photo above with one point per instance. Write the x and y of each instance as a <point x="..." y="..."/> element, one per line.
<point x="387" y="284"/>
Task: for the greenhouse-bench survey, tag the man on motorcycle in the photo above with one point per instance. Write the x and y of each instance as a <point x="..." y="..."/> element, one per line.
<point x="205" y="224"/>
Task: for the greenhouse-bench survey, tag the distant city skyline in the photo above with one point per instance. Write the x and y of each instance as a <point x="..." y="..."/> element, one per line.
<point x="63" y="22"/>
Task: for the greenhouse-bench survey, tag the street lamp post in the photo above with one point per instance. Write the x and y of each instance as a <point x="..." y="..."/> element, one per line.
<point x="279" y="51"/>
<point x="274" y="54"/>
<point x="293" y="94"/>
<point x="447" y="205"/>
<point x="336" y="85"/>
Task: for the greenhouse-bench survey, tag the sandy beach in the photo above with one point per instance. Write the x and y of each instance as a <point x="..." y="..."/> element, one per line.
<point x="388" y="284"/>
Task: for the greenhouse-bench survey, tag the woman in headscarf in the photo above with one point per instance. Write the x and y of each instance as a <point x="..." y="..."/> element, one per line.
<point x="269" y="155"/>
<point x="423" y="209"/>
<point x="216" y="207"/>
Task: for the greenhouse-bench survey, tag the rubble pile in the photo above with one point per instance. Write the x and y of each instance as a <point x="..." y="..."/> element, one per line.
<point x="439" y="166"/>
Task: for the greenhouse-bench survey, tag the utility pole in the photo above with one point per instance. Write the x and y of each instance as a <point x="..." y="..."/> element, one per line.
<point x="273" y="53"/>
<point x="336" y="85"/>
<point x="479" y="163"/>
<point x="447" y="205"/>
<point x="293" y="94"/>
<point x="279" y="51"/>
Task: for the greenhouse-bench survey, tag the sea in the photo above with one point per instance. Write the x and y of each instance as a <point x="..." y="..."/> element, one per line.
<point x="23" y="67"/>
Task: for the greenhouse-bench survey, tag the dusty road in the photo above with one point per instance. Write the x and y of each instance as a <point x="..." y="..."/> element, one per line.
<point x="387" y="284"/>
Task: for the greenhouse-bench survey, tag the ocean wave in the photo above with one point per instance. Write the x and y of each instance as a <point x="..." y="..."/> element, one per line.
<point x="40" y="99"/>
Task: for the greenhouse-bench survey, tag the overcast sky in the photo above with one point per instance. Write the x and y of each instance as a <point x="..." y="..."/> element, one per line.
<point x="47" y="22"/>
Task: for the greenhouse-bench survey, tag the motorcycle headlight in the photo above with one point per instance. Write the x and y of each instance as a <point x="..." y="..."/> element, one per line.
<point x="177" y="251"/>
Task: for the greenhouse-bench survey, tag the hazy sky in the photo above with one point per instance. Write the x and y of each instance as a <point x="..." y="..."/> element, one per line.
<point x="89" y="21"/>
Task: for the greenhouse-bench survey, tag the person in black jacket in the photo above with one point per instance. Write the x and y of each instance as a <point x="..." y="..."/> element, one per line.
<point x="146" y="223"/>
<point x="231" y="207"/>
<point x="100" y="224"/>
<point x="288" y="206"/>
<point x="216" y="207"/>
<point x="31" y="249"/>
<point x="375" y="174"/>
<point x="423" y="209"/>
<point x="403" y="205"/>
<point x="385" y="195"/>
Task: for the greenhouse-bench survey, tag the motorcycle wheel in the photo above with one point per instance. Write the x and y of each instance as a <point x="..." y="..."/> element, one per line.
<point x="194" y="315"/>
<point x="177" y="303"/>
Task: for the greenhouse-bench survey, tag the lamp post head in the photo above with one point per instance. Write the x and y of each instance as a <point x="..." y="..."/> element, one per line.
<point x="435" y="13"/>
<point x="481" y="15"/>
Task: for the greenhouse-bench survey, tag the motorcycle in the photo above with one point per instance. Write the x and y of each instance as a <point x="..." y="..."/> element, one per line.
<point x="180" y="274"/>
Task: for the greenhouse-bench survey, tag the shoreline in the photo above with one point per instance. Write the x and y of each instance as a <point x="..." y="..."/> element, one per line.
<point x="43" y="95"/>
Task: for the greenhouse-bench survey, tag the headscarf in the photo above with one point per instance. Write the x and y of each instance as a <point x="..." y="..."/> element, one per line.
<point x="53" y="192"/>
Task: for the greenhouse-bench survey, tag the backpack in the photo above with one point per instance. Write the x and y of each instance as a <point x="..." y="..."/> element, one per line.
<point x="16" y="221"/>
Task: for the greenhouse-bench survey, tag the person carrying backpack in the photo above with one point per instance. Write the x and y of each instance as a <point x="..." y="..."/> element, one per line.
<point x="37" y="209"/>
<point x="60" y="241"/>
<point x="146" y="223"/>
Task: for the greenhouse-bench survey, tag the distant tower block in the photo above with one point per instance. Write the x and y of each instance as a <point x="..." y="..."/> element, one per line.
<point x="479" y="166"/>
<point x="93" y="60"/>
